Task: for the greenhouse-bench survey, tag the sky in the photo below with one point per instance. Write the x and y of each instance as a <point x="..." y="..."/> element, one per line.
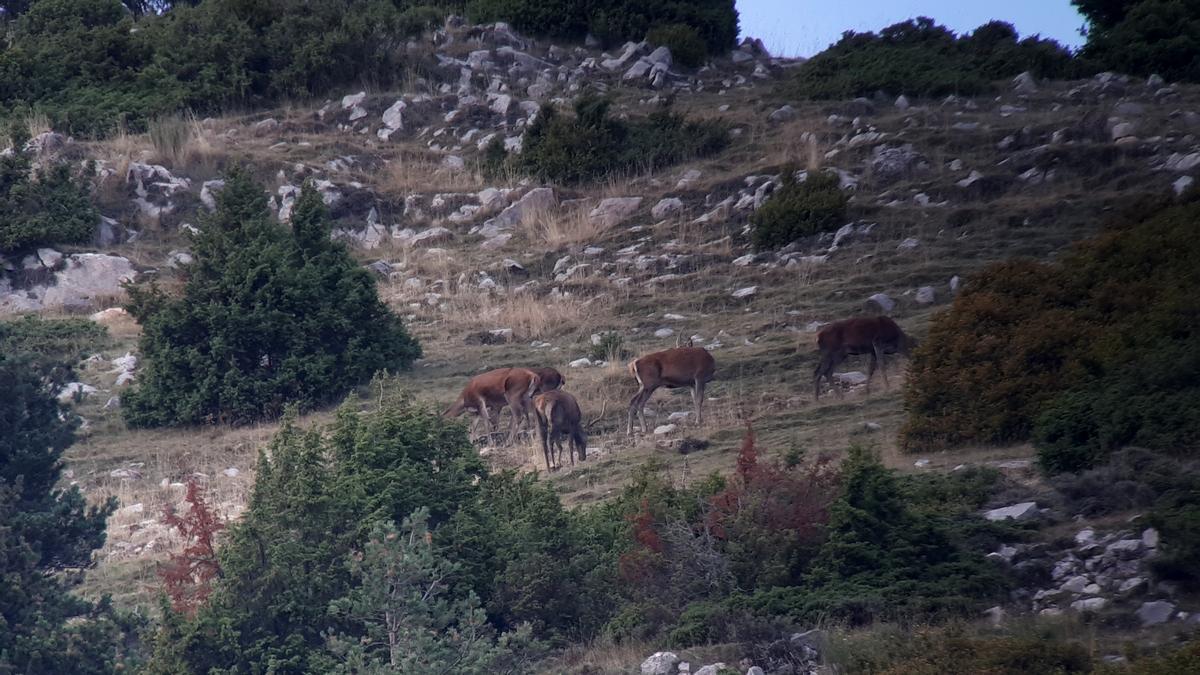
<point x="804" y="27"/>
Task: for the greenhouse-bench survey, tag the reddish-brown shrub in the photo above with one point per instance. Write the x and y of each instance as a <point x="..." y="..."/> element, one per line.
<point x="187" y="577"/>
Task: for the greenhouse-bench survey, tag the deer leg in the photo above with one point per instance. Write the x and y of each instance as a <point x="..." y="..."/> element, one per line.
<point x="871" y="370"/>
<point x="634" y="403"/>
<point x="698" y="400"/>
<point x="642" y="410"/>
<point x="882" y="364"/>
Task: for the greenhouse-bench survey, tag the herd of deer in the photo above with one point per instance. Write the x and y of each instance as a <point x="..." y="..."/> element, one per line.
<point x="559" y="418"/>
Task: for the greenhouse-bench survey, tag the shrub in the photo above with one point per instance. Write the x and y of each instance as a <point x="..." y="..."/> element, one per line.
<point x="919" y="57"/>
<point x="687" y="48"/>
<point x="41" y="208"/>
<point x="188" y="575"/>
<point x="593" y="145"/>
<point x="799" y="209"/>
<point x="268" y="317"/>
<point x="935" y="654"/>
<point x="51" y="343"/>
<point x="614" y="21"/>
<point x="1086" y="356"/>
<point x="1144" y="37"/>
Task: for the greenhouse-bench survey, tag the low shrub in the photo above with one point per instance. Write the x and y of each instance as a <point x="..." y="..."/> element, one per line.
<point x="1084" y="356"/>
<point x="937" y="654"/>
<point x="42" y="208"/>
<point x="687" y="48"/>
<point x="919" y="57"/>
<point x="799" y="209"/>
<point x="593" y="145"/>
<point x="52" y="346"/>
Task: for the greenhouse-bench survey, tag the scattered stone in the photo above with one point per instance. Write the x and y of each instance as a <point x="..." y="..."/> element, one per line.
<point x="746" y="292"/>
<point x="231" y="472"/>
<point x="1132" y="585"/>
<point x="1155" y="612"/>
<point x="902" y="102"/>
<point x="665" y="429"/>
<point x="666" y="208"/>
<point x="1075" y="584"/>
<point x="853" y="378"/>
<point x="125" y="474"/>
<point x="1089" y="604"/>
<point x="1018" y="512"/>
<point x="1125" y="549"/>
<point x="908" y="244"/>
<point x="660" y="663"/>
<point x="664" y="332"/>
<point x="1123" y="130"/>
<point x="785" y="114"/>
<point x="922" y="463"/>
<point x="1025" y="83"/>
<point x="1182" y="185"/>
<point x="714" y="668"/>
<point x="614" y="210"/>
<point x="881" y="302"/>
<point x="75" y="390"/>
<point x="580" y="363"/>
<point x="926" y="295"/>
<point x="1150" y="538"/>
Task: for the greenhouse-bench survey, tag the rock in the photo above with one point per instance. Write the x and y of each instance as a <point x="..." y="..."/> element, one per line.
<point x="1125" y="549"/>
<point x="851" y="379"/>
<point x="532" y="204"/>
<point x="922" y="463"/>
<point x="1089" y="604"/>
<point x="995" y="616"/>
<point x="666" y="207"/>
<point x="664" y="332"/>
<point x="638" y="70"/>
<point x="746" y="292"/>
<point x="785" y="114"/>
<point x="1150" y="538"/>
<point x="660" y="56"/>
<point x="1123" y="130"/>
<point x="208" y="193"/>
<point x="889" y="164"/>
<point x="902" y="102"/>
<point x="743" y="261"/>
<point x="614" y="210"/>
<point x="1025" y="83"/>
<point x="352" y="100"/>
<point x="74" y="390"/>
<point x="955" y="284"/>
<point x="714" y="668"/>
<point x="1132" y="585"/>
<point x="434" y="236"/>
<point x="1155" y="612"/>
<point x="1075" y="584"/>
<point x="908" y="244"/>
<point x="1018" y="512"/>
<point x="86" y="277"/>
<point x="755" y="670"/>
<point x="266" y="126"/>
<point x="665" y="429"/>
<point x="1085" y="537"/>
<point x="501" y="103"/>
<point x="393" y="117"/>
<point x="231" y="472"/>
<point x="1181" y="162"/>
<point x="1183" y="185"/>
<point x="926" y="295"/>
<point x="660" y="663"/>
<point x="881" y="302"/>
<point x="125" y="474"/>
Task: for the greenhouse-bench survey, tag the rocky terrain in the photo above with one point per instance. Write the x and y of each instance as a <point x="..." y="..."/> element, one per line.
<point x="495" y="271"/>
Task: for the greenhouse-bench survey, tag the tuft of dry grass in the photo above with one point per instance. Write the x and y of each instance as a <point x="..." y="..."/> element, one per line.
<point x="557" y="227"/>
<point x="37" y="123"/>
<point x="407" y="173"/>
<point x="529" y="317"/>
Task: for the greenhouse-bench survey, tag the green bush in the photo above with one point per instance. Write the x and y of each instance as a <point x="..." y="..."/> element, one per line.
<point x="715" y="22"/>
<point x="1144" y="37"/>
<point x="919" y="57"/>
<point x="42" y="208"/>
<point x="52" y="346"/>
<point x="687" y="48"/>
<point x="593" y="145"/>
<point x="268" y="317"/>
<point x="799" y="209"/>
<point x="1085" y="356"/>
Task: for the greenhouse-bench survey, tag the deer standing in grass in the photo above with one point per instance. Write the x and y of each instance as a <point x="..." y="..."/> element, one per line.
<point x="676" y="368"/>
<point x="495" y="389"/>
<point x="558" y="418"/>
<point x="876" y="336"/>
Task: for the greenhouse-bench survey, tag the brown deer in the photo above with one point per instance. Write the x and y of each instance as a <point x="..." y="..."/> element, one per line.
<point x="495" y="389"/>
<point x="559" y="417"/>
<point x="876" y="336"/>
<point x="674" y="369"/>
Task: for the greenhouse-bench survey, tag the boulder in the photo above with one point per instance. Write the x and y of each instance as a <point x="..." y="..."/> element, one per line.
<point x="433" y="236"/>
<point x="785" y="114"/>
<point x="352" y="100"/>
<point x="1089" y="604"/>
<point x="614" y="210"/>
<point x="889" y="164"/>
<point x="85" y="277"/>
<point x="660" y="663"/>
<point x="902" y="102"/>
<point x="666" y="207"/>
<point x="660" y="56"/>
<point x="209" y="191"/>
<point x="926" y="295"/>
<point x="1182" y="185"/>
<point x="881" y="302"/>
<point x="1019" y="512"/>
<point x="746" y="292"/>
<point x="393" y="117"/>
<point x="853" y="378"/>
<point x="75" y="390"/>
<point x="535" y="202"/>
<point x="1025" y="83"/>
<point x="665" y="429"/>
<point x="1155" y="612"/>
<point x="1122" y="130"/>
<point x="714" y="668"/>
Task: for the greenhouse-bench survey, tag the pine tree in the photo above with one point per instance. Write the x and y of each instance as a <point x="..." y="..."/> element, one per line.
<point x="44" y="529"/>
<point x="269" y="317"/>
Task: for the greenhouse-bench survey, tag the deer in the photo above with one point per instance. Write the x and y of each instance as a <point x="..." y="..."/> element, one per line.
<point x="559" y="417"/>
<point x="876" y="336"/>
<point x="675" y="368"/>
<point x="495" y="389"/>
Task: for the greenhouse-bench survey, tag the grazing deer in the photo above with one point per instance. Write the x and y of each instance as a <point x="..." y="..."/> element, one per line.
<point x="876" y="336"/>
<point x="495" y="389"/>
<point x="674" y="369"/>
<point x="558" y="417"/>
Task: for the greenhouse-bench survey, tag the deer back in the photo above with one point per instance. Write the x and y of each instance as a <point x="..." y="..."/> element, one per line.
<point x="861" y="334"/>
<point x="681" y="367"/>
<point x="558" y="408"/>
<point x="550" y="379"/>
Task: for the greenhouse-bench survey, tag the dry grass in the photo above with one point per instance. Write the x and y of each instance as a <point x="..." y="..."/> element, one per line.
<point x="406" y="173"/>
<point x="555" y="228"/>
<point x="37" y="123"/>
<point x="530" y="317"/>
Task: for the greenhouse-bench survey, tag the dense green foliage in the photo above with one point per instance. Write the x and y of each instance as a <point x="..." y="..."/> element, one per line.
<point x="593" y="145"/>
<point x="897" y="549"/>
<point x="91" y="67"/>
<point x="686" y="45"/>
<point x="319" y="495"/>
<point x="614" y="21"/>
<point x="268" y="317"/>
<point x="799" y="209"/>
<point x="1087" y="355"/>
<point x="44" y="529"/>
<point x="1144" y="37"/>
<point x="919" y="57"/>
<point x="43" y="207"/>
<point x="51" y="344"/>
